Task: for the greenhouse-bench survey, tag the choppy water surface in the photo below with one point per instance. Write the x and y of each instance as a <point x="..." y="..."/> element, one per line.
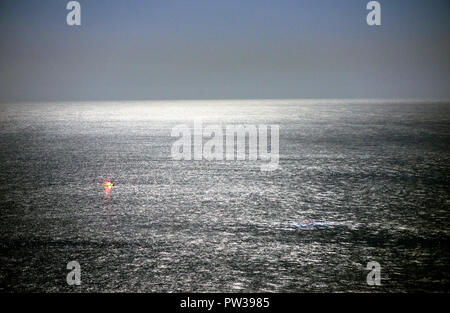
<point x="375" y="173"/>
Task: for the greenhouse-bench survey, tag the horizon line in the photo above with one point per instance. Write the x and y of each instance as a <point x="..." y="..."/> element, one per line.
<point x="230" y="100"/>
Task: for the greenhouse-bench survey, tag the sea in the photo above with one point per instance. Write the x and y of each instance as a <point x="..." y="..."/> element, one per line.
<point x="359" y="182"/>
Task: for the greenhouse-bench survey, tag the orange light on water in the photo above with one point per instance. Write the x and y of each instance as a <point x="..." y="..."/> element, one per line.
<point x="108" y="184"/>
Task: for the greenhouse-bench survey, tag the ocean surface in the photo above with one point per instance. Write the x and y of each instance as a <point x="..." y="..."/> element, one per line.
<point x="373" y="174"/>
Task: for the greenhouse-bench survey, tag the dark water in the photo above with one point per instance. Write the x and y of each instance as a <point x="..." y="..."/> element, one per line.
<point x="377" y="173"/>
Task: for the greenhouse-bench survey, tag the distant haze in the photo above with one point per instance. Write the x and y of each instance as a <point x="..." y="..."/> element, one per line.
<point x="136" y="50"/>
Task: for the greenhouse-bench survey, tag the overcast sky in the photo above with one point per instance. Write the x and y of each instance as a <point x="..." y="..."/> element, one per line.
<point x="216" y="49"/>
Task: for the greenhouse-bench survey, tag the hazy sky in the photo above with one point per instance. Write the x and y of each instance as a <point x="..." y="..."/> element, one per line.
<point x="215" y="49"/>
